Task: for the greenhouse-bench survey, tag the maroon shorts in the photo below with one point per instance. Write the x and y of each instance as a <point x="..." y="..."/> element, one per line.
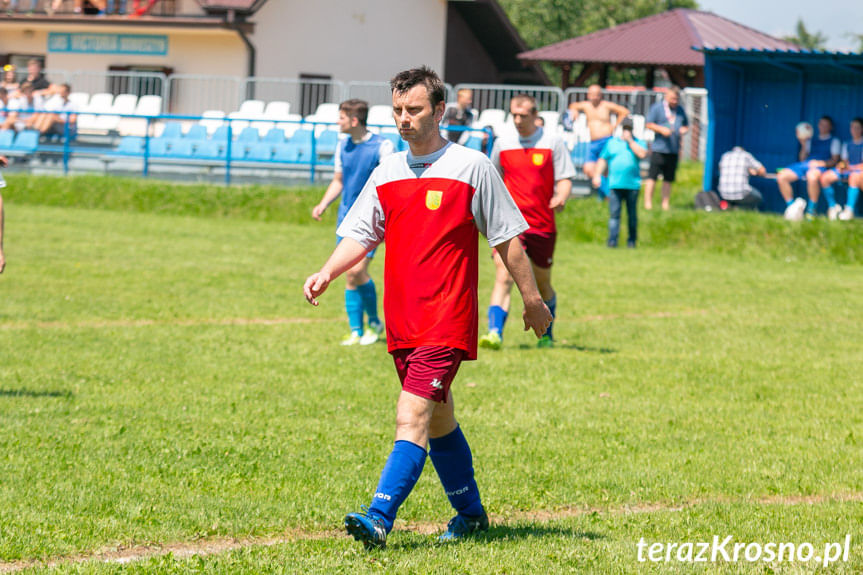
<point x="428" y="370"/>
<point x="539" y="247"/>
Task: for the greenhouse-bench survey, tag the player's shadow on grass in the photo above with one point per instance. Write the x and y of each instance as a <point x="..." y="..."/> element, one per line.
<point x="510" y="533"/>
<point x="575" y="346"/>
<point x="23" y="392"/>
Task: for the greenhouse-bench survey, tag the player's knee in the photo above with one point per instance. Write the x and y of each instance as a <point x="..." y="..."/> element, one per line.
<point x="813" y="175"/>
<point x="854" y="180"/>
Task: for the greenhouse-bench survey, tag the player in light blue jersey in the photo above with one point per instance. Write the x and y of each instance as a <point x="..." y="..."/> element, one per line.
<point x="356" y="157"/>
<point x="817" y="155"/>
<point x="850" y="168"/>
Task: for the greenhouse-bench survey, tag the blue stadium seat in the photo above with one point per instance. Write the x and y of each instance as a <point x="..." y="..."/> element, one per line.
<point x="26" y="141"/>
<point x="208" y="151"/>
<point x="327" y="142"/>
<point x="159" y="147"/>
<point x="303" y="140"/>
<point x="238" y="151"/>
<point x="220" y="135"/>
<point x="287" y="153"/>
<point x="6" y="139"/>
<point x="398" y="143"/>
<point x="131" y="146"/>
<point x="275" y="136"/>
<point x="196" y="132"/>
<point x="181" y="149"/>
<point x="260" y="153"/>
<point x="173" y="130"/>
<point x="474" y="143"/>
<point x="249" y="135"/>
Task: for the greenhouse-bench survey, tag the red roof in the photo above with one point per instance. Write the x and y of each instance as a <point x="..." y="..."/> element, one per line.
<point x="662" y="39"/>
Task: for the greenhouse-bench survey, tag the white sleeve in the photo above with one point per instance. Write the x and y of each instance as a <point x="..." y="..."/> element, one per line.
<point x="844" y="154"/>
<point x="835" y="147"/>
<point x="494" y="211"/>
<point x="495" y="156"/>
<point x="563" y="167"/>
<point x="337" y="158"/>
<point x="364" y="222"/>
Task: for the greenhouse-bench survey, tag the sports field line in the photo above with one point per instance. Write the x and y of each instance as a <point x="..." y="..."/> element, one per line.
<point x="219" y="545"/>
<point x="244" y="321"/>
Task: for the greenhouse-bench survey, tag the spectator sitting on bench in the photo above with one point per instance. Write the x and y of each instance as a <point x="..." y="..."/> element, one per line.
<point x="8" y="81"/>
<point x="21" y="110"/>
<point x="735" y="167"/>
<point x="4" y="106"/>
<point x="36" y="78"/>
<point x="850" y="168"/>
<point x="816" y="155"/>
<point x="58" y="110"/>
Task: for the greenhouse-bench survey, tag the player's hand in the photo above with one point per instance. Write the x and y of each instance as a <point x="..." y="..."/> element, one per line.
<point x="626" y="135"/>
<point x="318" y="211"/>
<point x="3" y="162"/>
<point x="557" y="204"/>
<point x="597" y="182"/>
<point x="536" y="316"/>
<point x="315" y="285"/>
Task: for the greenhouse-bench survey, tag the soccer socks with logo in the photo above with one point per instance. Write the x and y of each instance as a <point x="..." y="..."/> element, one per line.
<point x="354" y="307"/>
<point x="496" y="319"/>
<point x="830" y="196"/>
<point x="400" y="474"/>
<point x="552" y="307"/>
<point x="369" y="295"/>
<point x="851" y="202"/>
<point x="453" y="462"/>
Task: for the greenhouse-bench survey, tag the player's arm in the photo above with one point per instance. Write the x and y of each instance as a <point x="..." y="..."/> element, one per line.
<point x="536" y="315"/>
<point x="661" y="130"/>
<point x="347" y="254"/>
<point x="564" y="171"/>
<point x="621" y="112"/>
<point x="334" y="190"/>
<point x="637" y="149"/>
<point x="562" y="191"/>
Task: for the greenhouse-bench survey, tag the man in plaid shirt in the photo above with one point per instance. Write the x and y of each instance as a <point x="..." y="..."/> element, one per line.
<point x="735" y="167"/>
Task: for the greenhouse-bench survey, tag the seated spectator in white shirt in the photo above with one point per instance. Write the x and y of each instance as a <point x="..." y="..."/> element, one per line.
<point x="735" y="167"/>
<point x="22" y="109"/>
<point x="57" y="110"/>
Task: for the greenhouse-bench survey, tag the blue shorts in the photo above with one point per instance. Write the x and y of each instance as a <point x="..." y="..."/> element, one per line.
<point x="596" y="147"/>
<point x="369" y="255"/>
<point x="800" y="169"/>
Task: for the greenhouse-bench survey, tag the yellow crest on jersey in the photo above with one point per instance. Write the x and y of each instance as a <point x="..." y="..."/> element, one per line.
<point x="433" y="198"/>
<point x="537" y="159"/>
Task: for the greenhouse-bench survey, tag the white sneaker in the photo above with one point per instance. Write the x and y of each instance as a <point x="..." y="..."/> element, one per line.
<point x="847" y="214"/>
<point x="794" y="212"/>
<point x="353" y="339"/>
<point x="833" y="213"/>
<point x="372" y="334"/>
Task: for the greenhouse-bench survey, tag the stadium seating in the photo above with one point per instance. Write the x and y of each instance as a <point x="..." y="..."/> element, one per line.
<point x="491" y="117"/>
<point x="87" y="122"/>
<point x="275" y="136"/>
<point x="123" y="104"/>
<point x="380" y="118"/>
<point x="80" y="100"/>
<point x="287" y="153"/>
<point x="159" y="147"/>
<point x="131" y="146"/>
<point x="6" y="139"/>
<point x="260" y="152"/>
<point x="290" y="124"/>
<point x="195" y="132"/>
<point x="208" y="150"/>
<point x="277" y="110"/>
<point x="249" y="135"/>
<point x="221" y="134"/>
<point x="326" y="143"/>
<point x="25" y="143"/>
<point x="212" y="120"/>
<point x="181" y="149"/>
<point x="172" y="131"/>
<point x="303" y="140"/>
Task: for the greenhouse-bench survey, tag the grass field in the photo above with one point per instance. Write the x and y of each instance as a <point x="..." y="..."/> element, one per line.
<point x="165" y="390"/>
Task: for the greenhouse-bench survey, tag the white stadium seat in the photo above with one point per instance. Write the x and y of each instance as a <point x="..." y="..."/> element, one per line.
<point x="211" y="119"/>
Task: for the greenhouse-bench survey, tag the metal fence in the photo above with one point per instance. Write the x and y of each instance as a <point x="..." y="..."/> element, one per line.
<point x="303" y="94"/>
<point x="379" y="93"/>
<point x="497" y="96"/>
<point x="637" y="101"/>
<point x="119" y="82"/>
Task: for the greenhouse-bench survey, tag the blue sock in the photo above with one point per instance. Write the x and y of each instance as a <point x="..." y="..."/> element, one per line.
<point x="830" y="196"/>
<point x="789" y="202"/>
<point x="400" y="474"/>
<point x="851" y="202"/>
<point x="810" y="207"/>
<point x="496" y="319"/>
<point x="369" y="295"/>
<point x="354" y="307"/>
<point x="603" y="188"/>
<point x="552" y="307"/>
<point x="453" y="462"/>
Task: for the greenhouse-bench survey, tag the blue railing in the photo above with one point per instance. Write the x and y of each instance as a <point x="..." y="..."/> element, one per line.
<point x="310" y="145"/>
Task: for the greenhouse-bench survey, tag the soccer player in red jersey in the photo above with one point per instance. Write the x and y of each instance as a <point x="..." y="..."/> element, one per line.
<point x="537" y="170"/>
<point x="430" y="202"/>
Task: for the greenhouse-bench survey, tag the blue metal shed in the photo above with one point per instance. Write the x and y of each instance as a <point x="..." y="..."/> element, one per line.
<point x="757" y="97"/>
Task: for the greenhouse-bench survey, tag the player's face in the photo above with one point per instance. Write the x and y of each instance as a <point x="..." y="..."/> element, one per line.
<point x="524" y="117"/>
<point x="465" y="99"/>
<point x="415" y="117"/>
<point x="594" y="95"/>
<point x="856" y="130"/>
<point x="824" y="127"/>
<point x="672" y="99"/>
<point x="345" y="122"/>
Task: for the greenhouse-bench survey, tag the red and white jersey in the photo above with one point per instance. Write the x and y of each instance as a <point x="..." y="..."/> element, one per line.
<point x="430" y="208"/>
<point x="530" y="167"/>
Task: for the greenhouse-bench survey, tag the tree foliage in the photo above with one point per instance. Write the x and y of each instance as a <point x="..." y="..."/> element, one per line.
<point x="543" y="22"/>
<point x="806" y="39"/>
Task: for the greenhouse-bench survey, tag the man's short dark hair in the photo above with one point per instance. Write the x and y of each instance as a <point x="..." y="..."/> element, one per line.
<point x="829" y="119"/>
<point x="525" y="98"/>
<point x="404" y="81"/>
<point x="857" y="120"/>
<point x="355" y="108"/>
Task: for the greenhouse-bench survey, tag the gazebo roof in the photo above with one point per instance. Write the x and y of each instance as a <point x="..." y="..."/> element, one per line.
<point x="667" y="39"/>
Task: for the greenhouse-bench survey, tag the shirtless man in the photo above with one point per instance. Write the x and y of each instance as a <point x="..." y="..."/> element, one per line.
<point x="598" y="113"/>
